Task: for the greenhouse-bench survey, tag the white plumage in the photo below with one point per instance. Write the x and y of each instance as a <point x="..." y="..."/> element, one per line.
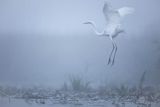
<point x="113" y="25"/>
<point x="125" y="11"/>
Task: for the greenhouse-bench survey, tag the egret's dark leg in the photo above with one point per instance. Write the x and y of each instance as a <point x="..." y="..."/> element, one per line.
<point x="114" y="55"/>
<point x="110" y="56"/>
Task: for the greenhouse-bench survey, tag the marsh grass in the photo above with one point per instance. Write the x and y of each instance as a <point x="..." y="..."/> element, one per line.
<point x="78" y="84"/>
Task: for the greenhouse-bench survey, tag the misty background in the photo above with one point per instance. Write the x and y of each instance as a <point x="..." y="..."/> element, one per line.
<point x="43" y="42"/>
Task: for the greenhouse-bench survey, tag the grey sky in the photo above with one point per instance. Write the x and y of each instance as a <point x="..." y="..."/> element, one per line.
<point x="66" y="16"/>
<point x="43" y="41"/>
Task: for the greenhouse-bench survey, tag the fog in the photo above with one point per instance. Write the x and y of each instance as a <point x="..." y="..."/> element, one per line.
<point x="43" y="42"/>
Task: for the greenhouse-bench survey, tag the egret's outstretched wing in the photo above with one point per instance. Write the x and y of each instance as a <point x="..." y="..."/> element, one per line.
<point x="125" y="11"/>
<point x="112" y="16"/>
<point x="106" y="9"/>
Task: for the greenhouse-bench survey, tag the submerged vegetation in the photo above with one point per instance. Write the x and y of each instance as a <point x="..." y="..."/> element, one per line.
<point x="78" y="91"/>
<point x="121" y="94"/>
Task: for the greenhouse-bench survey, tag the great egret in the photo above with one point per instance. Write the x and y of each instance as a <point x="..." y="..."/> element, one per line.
<point x="113" y="25"/>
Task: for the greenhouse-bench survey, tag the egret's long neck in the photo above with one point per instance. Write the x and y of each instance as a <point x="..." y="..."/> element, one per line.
<point x="95" y="30"/>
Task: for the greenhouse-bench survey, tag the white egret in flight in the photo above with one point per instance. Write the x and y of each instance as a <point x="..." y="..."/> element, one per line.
<point x="113" y="25"/>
